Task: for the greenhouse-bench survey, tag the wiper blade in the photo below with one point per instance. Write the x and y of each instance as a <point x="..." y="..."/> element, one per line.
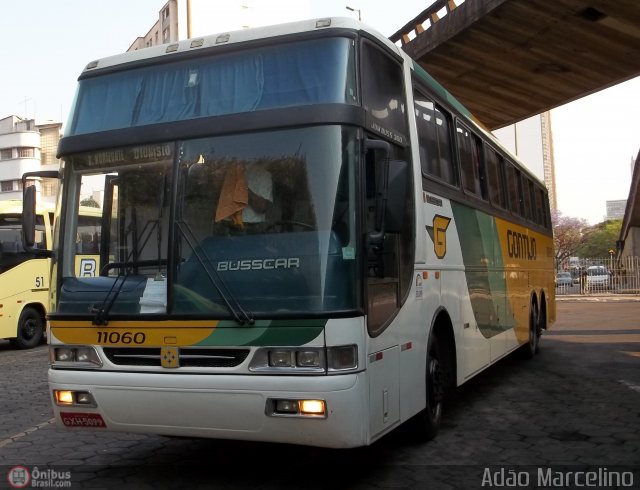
<point x="239" y="314"/>
<point x="101" y="313"/>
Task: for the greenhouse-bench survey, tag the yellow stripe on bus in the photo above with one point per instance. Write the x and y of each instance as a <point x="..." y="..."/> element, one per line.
<point x="132" y="334"/>
<point x="528" y="259"/>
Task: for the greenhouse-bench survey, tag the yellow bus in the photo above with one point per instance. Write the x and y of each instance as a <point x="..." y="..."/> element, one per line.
<point x="24" y="276"/>
<point x="304" y="239"/>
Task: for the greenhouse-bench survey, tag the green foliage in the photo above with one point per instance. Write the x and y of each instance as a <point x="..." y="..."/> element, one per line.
<point x="600" y="239"/>
<point x="90" y="202"/>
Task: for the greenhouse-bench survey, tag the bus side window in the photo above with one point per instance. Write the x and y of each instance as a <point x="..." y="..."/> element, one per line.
<point x="529" y="199"/>
<point x="434" y="139"/>
<point x="514" y="190"/>
<point x="495" y="173"/>
<point x="471" y="163"/>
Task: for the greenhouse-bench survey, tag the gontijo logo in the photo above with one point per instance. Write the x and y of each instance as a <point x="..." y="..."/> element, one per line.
<point x="438" y="234"/>
<point x="521" y="246"/>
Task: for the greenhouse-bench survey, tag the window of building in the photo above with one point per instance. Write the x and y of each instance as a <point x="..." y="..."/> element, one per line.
<point x="436" y="155"/>
<point x="49" y="187"/>
<point x="6" y="153"/>
<point x="26" y="152"/>
<point x="9" y="185"/>
<point x="165" y="35"/>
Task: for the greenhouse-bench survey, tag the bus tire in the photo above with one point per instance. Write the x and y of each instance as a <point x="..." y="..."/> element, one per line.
<point x="30" y="329"/>
<point x="426" y="424"/>
<point x="541" y="325"/>
<point x="531" y="347"/>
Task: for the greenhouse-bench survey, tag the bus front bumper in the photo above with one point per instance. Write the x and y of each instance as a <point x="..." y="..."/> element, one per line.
<point x="217" y="406"/>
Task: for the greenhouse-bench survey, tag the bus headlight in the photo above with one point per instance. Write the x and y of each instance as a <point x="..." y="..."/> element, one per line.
<point x="79" y="356"/>
<point x="305" y="360"/>
<point x="342" y="357"/>
<point x="288" y="360"/>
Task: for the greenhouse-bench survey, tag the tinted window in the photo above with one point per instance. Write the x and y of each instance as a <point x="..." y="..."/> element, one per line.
<point x="300" y="73"/>
<point x="434" y="130"/>
<point x="471" y="164"/>
<point x="529" y="208"/>
<point x="495" y="173"/>
<point x="542" y="203"/>
<point x="382" y="92"/>
<point x="514" y="190"/>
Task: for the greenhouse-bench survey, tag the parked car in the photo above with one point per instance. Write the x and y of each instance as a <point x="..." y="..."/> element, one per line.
<point x="564" y="279"/>
<point x="597" y="278"/>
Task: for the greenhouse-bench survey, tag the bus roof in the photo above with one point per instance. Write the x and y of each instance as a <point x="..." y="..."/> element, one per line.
<point x="220" y="40"/>
<point x="225" y="39"/>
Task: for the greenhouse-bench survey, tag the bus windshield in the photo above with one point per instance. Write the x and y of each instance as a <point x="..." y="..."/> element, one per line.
<point x="240" y="227"/>
<point x="317" y="71"/>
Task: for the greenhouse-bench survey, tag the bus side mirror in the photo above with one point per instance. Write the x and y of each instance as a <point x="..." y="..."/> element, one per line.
<point x="29" y="212"/>
<point x="29" y="217"/>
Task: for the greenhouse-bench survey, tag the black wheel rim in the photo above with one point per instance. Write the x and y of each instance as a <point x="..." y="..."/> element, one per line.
<point x="30" y="329"/>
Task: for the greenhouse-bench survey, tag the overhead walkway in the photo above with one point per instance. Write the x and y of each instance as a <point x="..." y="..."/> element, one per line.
<point x="507" y="60"/>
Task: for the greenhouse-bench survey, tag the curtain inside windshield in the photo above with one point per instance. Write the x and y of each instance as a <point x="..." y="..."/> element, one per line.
<point x="309" y="72"/>
<point x="267" y="222"/>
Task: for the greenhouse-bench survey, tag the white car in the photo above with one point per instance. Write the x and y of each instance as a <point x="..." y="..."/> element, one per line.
<point x="597" y="278"/>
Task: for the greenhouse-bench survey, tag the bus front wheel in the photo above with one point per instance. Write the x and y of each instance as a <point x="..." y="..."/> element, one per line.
<point x="427" y="423"/>
<point x="30" y="329"/>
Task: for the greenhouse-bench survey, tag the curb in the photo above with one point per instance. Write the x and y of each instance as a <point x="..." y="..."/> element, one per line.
<point x="599" y="299"/>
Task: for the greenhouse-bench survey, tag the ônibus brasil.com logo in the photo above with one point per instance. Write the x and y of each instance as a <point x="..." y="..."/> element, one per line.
<point x="21" y="477"/>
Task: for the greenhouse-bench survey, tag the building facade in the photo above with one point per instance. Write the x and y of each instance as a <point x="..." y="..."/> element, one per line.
<point x="615" y="209"/>
<point x="182" y="19"/>
<point x="27" y="147"/>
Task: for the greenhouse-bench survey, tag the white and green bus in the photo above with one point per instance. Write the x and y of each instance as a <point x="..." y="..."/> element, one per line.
<point x="304" y="239"/>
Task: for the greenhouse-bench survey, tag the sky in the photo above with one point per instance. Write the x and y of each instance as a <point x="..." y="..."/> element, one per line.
<point x="45" y="46"/>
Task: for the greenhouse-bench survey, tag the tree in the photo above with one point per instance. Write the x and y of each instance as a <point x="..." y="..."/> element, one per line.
<point x="600" y="239"/>
<point x="90" y="202"/>
<point x="568" y="235"/>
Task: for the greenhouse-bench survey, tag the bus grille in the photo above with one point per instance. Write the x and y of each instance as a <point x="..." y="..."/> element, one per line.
<point x="188" y="357"/>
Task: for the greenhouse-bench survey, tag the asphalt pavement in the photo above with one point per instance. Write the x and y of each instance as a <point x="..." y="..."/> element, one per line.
<point x="575" y="407"/>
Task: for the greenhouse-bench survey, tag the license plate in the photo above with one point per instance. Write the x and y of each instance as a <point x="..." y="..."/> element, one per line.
<point x="70" y="419"/>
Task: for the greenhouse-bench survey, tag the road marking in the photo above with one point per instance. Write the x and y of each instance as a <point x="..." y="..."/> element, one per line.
<point x="629" y="385"/>
<point x="26" y="432"/>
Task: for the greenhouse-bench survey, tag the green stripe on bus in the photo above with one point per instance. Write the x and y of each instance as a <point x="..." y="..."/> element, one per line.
<point x="484" y="269"/>
<point x="266" y="332"/>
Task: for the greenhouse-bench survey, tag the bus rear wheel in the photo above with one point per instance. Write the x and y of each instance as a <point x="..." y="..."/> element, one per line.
<point x="532" y="346"/>
<point x="30" y="329"/>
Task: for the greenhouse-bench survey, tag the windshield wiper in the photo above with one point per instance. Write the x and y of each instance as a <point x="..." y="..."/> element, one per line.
<point x="101" y="313"/>
<point x="239" y="314"/>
